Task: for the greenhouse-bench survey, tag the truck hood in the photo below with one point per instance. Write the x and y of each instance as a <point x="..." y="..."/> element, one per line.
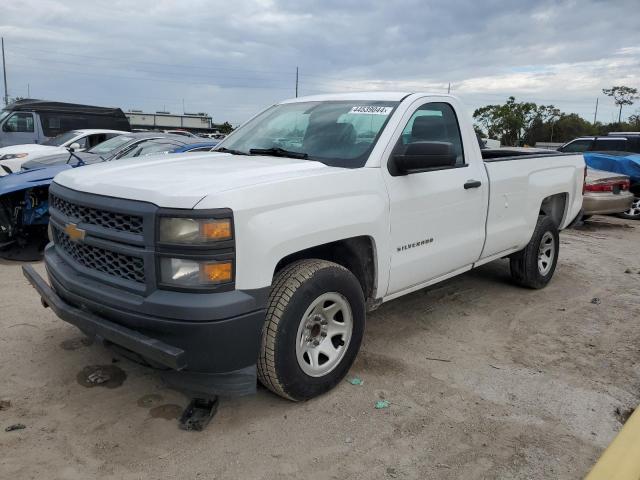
<point x="182" y="180"/>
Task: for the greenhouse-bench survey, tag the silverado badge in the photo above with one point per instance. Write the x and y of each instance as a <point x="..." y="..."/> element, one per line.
<point x="75" y="234"/>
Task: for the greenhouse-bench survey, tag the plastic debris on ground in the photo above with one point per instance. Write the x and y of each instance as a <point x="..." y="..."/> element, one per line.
<point x="380" y="404"/>
<point x="355" y="381"/>
<point x="17" y="426"/>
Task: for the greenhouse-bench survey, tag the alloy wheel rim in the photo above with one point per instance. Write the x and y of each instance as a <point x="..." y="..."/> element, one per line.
<point x="546" y="253"/>
<point x="324" y="334"/>
<point x="635" y="207"/>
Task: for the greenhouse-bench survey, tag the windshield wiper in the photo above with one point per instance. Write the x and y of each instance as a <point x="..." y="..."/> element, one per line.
<point x="278" y="152"/>
<point x="230" y="150"/>
<point x="80" y="161"/>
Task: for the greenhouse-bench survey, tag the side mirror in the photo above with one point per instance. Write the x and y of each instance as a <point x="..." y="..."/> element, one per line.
<point x="422" y="156"/>
<point x="74" y="146"/>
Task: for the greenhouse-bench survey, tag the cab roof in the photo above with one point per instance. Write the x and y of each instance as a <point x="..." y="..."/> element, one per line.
<point x="374" y="95"/>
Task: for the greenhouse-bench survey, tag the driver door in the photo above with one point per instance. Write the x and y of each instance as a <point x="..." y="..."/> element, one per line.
<point x="437" y="218"/>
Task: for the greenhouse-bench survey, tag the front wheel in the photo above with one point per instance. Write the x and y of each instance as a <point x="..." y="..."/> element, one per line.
<point x="313" y="330"/>
<point x="634" y="211"/>
<point x="533" y="266"/>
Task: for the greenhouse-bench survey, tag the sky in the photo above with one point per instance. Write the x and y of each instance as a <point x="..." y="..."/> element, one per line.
<point x="232" y="59"/>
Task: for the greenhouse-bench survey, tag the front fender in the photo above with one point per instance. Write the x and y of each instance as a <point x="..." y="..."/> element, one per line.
<point x="275" y="220"/>
<point x="18" y="181"/>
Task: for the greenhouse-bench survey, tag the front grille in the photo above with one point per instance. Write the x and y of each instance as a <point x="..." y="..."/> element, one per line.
<point x="102" y="218"/>
<point x="116" y="264"/>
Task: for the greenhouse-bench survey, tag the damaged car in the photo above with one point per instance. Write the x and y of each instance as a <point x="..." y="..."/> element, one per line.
<point x="24" y="207"/>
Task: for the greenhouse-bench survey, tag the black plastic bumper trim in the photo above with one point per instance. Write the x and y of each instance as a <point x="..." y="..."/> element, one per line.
<point x="153" y="349"/>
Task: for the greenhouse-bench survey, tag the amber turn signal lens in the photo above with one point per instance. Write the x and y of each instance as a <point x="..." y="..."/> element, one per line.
<point x="218" y="272"/>
<point x="216" y="229"/>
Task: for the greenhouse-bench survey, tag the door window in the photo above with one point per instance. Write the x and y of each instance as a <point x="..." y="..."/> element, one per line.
<point x="433" y="122"/>
<point x="93" y="140"/>
<point x="577" y="146"/>
<point x="610" y="144"/>
<point x="19" y="122"/>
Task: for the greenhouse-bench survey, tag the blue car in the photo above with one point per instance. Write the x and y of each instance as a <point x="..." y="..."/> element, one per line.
<point x="24" y="204"/>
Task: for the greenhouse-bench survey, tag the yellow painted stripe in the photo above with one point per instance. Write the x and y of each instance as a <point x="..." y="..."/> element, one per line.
<point x="621" y="459"/>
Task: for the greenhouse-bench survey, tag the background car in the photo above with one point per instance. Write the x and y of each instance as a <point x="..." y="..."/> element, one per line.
<point x="114" y="148"/>
<point x="34" y="121"/>
<point x="24" y="207"/>
<point x="184" y="133"/>
<point x="12" y="158"/>
<point x="605" y="193"/>
<point x="613" y="142"/>
<point x="197" y="147"/>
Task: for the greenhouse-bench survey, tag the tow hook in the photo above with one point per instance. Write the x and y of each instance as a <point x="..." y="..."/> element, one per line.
<point x="198" y="414"/>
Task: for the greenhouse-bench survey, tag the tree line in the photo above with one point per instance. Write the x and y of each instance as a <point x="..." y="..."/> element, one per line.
<point x="525" y="123"/>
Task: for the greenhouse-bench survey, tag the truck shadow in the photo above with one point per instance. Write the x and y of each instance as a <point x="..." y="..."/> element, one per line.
<point x="598" y="223"/>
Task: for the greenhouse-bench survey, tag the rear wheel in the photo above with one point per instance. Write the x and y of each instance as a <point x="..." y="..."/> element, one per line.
<point x="634" y="211"/>
<point x="313" y="330"/>
<point x="534" y="266"/>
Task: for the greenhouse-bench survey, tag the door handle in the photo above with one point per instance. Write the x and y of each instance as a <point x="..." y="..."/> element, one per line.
<point x="472" y="184"/>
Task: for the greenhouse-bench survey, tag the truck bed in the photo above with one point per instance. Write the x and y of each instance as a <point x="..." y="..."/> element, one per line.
<point x="517" y="188"/>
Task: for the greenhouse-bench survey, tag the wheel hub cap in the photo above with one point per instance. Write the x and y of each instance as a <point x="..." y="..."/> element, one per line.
<point x="324" y="334"/>
<point x="635" y="207"/>
<point x="546" y="253"/>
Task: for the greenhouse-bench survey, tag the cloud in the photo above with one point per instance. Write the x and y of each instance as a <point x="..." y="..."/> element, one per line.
<point x="232" y="59"/>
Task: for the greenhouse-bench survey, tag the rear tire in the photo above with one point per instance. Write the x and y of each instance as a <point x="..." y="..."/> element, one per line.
<point x="313" y="330"/>
<point x="534" y="266"/>
<point x="634" y="212"/>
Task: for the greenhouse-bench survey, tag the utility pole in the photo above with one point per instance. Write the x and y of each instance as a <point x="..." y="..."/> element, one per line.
<point x="4" y="71"/>
<point x="449" y="88"/>
<point x="296" y="82"/>
<point x="595" y="115"/>
<point x="28" y="91"/>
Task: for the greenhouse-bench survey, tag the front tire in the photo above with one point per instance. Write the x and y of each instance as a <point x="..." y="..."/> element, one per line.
<point x="313" y="330"/>
<point x="534" y="266"/>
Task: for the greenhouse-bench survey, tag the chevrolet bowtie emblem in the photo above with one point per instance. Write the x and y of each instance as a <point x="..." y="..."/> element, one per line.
<point x="75" y="234"/>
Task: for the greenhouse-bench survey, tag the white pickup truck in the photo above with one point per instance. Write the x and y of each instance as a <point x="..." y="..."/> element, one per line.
<point x="260" y="260"/>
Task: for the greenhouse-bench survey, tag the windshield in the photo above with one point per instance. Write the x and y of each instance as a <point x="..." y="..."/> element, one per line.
<point x="61" y="139"/>
<point x="111" y="144"/>
<point x="4" y="114"/>
<point x="337" y="133"/>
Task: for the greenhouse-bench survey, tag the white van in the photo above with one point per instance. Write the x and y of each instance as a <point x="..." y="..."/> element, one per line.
<point x="35" y="121"/>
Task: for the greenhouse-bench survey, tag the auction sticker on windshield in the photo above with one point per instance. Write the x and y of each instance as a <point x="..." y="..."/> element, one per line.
<point x="371" y="110"/>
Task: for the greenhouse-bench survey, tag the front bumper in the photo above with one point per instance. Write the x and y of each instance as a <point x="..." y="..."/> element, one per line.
<point x="605" y="203"/>
<point x="200" y="357"/>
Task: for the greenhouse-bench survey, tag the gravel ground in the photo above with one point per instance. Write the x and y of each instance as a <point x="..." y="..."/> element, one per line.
<point x="484" y="380"/>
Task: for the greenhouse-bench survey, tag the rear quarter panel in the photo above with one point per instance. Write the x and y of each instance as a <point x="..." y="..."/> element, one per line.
<point x="517" y="189"/>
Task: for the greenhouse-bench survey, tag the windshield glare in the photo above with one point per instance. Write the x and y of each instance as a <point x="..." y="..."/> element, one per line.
<point x="61" y="139"/>
<point x="111" y="144"/>
<point x="337" y="133"/>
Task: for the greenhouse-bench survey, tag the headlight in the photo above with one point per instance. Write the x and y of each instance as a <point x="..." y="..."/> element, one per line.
<point x="181" y="272"/>
<point x="10" y="156"/>
<point x="194" y="231"/>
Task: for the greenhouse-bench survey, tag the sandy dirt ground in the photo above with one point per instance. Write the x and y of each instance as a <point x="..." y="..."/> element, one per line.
<point x="485" y="380"/>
